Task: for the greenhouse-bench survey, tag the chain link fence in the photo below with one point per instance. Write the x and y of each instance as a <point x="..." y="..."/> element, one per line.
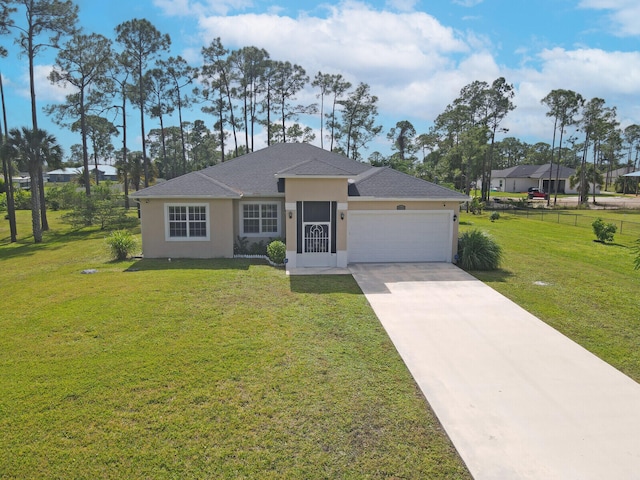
<point x="625" y="227"/>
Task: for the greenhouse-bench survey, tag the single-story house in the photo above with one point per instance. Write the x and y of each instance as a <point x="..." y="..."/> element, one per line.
<point x="23" y="181"/>
<point x="522" y="177"/>
<point x="330" y="210"/>
<point x="63" y="175"/>
<point x="613" y="175"/>
<point x="636" y="176"/>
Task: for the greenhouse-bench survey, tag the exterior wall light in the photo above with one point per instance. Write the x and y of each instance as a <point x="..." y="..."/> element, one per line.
<point x="455" y="218"/>
<point x="290" y="214"/>
<point x="341" y="215"/>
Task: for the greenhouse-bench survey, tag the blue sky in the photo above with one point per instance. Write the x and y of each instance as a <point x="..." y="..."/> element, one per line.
<point x="415" y="54"/>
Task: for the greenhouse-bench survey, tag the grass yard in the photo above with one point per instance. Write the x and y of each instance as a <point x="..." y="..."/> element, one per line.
<point x="585" y="289"/>
<point x="199" y="369"/>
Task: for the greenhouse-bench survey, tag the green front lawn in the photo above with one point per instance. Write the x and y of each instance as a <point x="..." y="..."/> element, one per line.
<point x="230" y="369"/>
<point x="585" y="289"/>
<point x="198" y="369"/>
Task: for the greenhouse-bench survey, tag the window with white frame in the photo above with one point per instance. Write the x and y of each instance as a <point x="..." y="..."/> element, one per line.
<point x="187" y="222"/>
<point x="260" y="219"/>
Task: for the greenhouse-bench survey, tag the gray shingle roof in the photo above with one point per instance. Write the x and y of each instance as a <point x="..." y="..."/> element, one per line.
<point x="318" y="168"/>
<point x="257" y="173"/>
<point x="384" y="182"/>
<point x="532" y="171"/>
<point x="194" y="185"/>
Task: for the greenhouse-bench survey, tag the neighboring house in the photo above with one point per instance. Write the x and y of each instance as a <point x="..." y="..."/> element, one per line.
<point x="329" y="209"/>
<point x="635" y="176"/>
<point x="522" y="177"/>
<point x="105" y="172"/>
<point x="613" y="175"/>
<point x="63" y="175"/>
<point x="22" y="180"/>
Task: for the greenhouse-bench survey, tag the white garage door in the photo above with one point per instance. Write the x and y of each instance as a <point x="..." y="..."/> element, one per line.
<point x="399" y="236"/>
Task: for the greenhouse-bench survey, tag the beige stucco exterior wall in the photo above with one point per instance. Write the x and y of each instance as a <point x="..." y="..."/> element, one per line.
<point x="155" y="244"/>
<point x="311" y="189"/>
<point x="320" y="190"/>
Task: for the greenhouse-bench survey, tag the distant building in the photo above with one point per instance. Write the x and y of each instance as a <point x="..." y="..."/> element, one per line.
<point x="22" y="180"/>
<point x="613" y="175"/>
<point x="520" y="178"/>
<point x="63" y="175"/>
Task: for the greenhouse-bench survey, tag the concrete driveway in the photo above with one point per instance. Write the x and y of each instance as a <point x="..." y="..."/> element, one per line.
<point x="518" y="399"/>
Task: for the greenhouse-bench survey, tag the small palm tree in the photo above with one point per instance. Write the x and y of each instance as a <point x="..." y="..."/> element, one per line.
<point x="478" y="251"/>
<point x="32" y="149"/>
<point x="592" y="176"/>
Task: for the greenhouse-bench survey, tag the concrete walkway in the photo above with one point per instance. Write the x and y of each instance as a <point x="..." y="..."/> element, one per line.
<point x="518" y="399"/>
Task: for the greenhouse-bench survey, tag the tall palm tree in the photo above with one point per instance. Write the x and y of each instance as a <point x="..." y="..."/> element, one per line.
<point x="32" y="149"/>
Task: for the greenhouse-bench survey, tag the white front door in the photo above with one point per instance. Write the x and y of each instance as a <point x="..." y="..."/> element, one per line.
<point x="316" y="235"/>
<point x="317" y="246"/>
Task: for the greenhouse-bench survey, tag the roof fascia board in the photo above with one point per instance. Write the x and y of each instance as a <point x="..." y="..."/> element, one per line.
<point x="174" y="197"/>
<point x="199" y="197"/>
<point x="262" y="195"/>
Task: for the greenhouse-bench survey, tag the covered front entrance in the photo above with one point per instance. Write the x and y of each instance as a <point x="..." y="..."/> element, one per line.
<point x="316" y="231"/>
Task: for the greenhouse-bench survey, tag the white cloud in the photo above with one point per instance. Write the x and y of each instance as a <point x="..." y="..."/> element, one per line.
<point x="188" y="7"/>
<point x="353" y="39"/>
<point x="402" y="5"/>
<point x="192" y="55"/>
<point x="45" y="90"/>
<point x="590" y="72"/>
<point x="623" y="15"/>
<point x="416" y="65"/>
<point x="593" y="71"/>
<point x="176" y="8"/>
<point x="468" y="3"/>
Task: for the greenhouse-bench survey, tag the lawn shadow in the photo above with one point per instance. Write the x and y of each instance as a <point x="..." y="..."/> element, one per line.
<point x="499" y="275"/>
<point x="151" y="264"/>
<point x="323" y="284"/>
<point x="611" y="244"/>
<point x="505" y="217"/>
<point x="51" y="240"/>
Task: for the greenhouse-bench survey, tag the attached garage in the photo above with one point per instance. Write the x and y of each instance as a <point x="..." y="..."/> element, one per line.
<point x="399" y="236"/>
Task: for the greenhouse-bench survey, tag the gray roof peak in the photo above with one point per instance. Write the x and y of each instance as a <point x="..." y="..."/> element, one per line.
<point x="220" y="184"/>
<point x="368" y="173"/>
<point x="313" y="167"/>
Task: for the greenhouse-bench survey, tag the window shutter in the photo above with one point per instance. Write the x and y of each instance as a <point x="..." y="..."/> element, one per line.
<point x="299" y="225"/>
<point x="334" y="215"/>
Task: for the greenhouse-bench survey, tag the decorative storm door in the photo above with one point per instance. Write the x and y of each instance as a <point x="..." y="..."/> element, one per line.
<point x="316" y="238"/>
<point x="315" y="233"/>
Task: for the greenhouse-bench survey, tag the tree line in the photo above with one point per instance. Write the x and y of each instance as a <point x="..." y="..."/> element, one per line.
<point x="461" y="147"/>
<point x="244" y="93"/>
<point x="239" y="91"/>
